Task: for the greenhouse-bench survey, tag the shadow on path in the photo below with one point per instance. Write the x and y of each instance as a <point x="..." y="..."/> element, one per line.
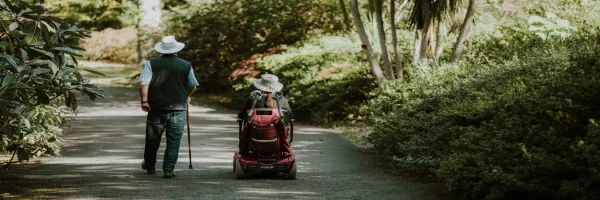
<point x="104" y="149"/>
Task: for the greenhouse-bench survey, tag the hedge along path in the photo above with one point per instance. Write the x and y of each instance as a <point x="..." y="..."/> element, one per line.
<point x="104" y="149"/>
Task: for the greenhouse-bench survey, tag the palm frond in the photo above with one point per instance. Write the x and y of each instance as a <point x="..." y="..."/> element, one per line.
<point x="430" y="10"/>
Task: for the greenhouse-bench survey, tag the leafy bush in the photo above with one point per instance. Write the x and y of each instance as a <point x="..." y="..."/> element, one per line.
<point x="326" y="78"/>
<point x="104" y="46"/>
<point x="581" y="14"/>
<point x="550" y="26"/>
<point x="519" y="126"/>
<point x="38" y="74"/>
<point x="43" y="136"/>
<point x="221" y="40"/>
<point x="96" y="15"/>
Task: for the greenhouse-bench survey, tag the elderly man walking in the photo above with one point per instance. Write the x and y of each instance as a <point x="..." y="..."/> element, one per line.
<point x="165" y="85"/>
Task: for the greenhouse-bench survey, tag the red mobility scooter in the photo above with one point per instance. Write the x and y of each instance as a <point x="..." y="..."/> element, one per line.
<point x="265" y="136"/>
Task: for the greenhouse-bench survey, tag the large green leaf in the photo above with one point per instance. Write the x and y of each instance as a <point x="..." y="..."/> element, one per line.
<point x="24" y="55"/>
<point x="37" y="71"/>
<point x="53" y="67"/>
<point x="94" y="72"/>
<point x="56" y="20"/>
<point x="65" y="71"/>
<point x="40" y="62"/>
<point x="8" y="80"/>
<point x="27" y="123"/>
<point x="13" y="26"/>
<point x="13" y="8"/>
<point x="78" y="48"/>
<point x="74" y="60"/>
<point x="38" y="8"/>
<point x="67" y="50"/>
<point x="48" y="26"/>
<point x="10" y="59"/>
<point x="47" y="53"/>
<point x="34" y="41"/>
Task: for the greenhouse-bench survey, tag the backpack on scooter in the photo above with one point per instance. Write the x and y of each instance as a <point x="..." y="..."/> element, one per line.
<point x="263" y="131"/>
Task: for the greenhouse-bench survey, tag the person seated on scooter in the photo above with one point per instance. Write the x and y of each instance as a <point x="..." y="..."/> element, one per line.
<point x="269" y="84"/>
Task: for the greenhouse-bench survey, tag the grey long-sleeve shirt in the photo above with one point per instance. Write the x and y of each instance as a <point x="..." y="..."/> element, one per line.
<point x="262" y="103"/>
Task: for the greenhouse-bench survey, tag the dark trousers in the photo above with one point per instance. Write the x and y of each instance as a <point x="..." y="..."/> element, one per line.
<point x="173" y="123"/>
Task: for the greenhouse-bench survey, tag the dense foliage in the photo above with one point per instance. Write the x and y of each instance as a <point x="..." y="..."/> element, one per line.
<point x="96" y="15"/>
<point x="38" y="75"/>
<point x="519" y="124"/>
<point x="104" y="46"/>
<point x="222" y="33"/>
<point x="516" y="118"/>
<point x="106" y="19"/>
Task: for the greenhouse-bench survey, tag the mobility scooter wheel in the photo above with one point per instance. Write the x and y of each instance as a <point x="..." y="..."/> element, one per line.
<point x="234" y="161"/>
<point x="238" y="170"/>
<point x="292" y="174"/>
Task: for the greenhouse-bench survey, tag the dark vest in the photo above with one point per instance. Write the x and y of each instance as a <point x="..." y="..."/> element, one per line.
<point x="168" y="89"/>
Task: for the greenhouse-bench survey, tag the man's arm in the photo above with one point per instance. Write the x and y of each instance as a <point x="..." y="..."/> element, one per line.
<point x="191" y="91"/>
<point x="192" y="83"/>
<point x="143" y="88"/>
<point x="143" y="85"/>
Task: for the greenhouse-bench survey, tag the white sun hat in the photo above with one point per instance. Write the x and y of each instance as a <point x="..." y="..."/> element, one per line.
<point x="169" y="45"/>
<point x="268" y="83"/>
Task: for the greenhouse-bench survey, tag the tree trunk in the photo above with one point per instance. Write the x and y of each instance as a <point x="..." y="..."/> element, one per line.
<point x="431" y="47"/>
<point x="345" y="15"/>
<point x="139" y="35"/>
<point x="373" y="63"/>
<point x="464" y="32"/>
<point x="398" y="62"/>
<point x="417" y="47"/>
<point x="439" y="40"/>
<point x="389" y="73"/>
<point x="424" y="40"/>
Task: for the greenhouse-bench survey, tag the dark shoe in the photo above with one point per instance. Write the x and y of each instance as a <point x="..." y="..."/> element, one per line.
<point x="169" y="173"/>
<point x="149" y="171"/>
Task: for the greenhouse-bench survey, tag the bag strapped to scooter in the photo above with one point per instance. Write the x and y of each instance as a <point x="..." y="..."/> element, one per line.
<point x="278" y="124"/>
<point x="255" y="95"/>
<point x="278" y="96"/>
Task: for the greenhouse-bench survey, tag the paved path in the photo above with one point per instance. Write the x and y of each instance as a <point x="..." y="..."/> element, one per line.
<point x="104" y="149"/>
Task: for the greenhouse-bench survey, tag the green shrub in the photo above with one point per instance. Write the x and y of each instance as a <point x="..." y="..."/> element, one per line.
<point x="104" y="46"/>
<point x="38" y="74"/>
<point x="96" y="15"/>
<point x="219" y="40"/>
<point x="42" y="137"/>
<point x="518" y="124"/>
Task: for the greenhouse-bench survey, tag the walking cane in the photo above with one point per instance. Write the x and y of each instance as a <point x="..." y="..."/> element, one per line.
<point x="187" y="111"/>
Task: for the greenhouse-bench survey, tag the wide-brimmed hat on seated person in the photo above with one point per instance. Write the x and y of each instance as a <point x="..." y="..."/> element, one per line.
<point x="268" y="83"/>
<point x="169" y="45"/>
